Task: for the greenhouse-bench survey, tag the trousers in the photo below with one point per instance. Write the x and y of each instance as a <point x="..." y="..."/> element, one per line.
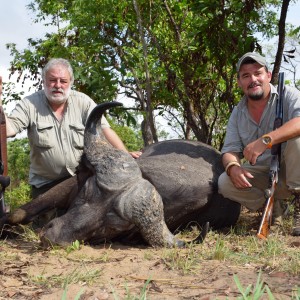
<point x="254" y="198"/>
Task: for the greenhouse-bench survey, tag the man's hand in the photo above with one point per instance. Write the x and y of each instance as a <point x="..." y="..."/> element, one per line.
<point x="239" y="176"/>
<point x="253" y="150"/>
<point x="135" y="154"/>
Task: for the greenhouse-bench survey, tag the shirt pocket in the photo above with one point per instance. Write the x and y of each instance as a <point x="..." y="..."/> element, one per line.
<point x="77" y="135"/>
<point x="44" y="135"/>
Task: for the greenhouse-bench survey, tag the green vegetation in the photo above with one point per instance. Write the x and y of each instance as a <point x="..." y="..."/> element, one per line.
<point x="130" y="296"/>
<point x="18" y="191"/>
<point x="186" y="261"/>
<point x="131" y="138"/>
<point x="231" y="248"/>
<point x="274" y="254"/>
<point x="251" y="292"/>
<point x="174" y="59"/>
<point x="73" y="247"/>
<point x="17" y="196"/>
<point x="74" y="276"/>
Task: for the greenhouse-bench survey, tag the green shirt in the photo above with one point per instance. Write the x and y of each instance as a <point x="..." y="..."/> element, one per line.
<point x="55" y="147"/>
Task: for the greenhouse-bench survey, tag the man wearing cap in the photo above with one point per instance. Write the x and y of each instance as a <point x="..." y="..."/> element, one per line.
<point x="250" y="135"/>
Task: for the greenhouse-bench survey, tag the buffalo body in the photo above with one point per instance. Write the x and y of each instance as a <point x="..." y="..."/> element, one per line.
<point x="114" y="197"/>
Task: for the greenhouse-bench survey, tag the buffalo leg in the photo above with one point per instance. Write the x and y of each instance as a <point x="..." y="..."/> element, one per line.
<point x="56" y="197"/>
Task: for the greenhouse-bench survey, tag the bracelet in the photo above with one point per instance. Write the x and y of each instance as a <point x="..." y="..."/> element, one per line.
<point x="231" y="164"/>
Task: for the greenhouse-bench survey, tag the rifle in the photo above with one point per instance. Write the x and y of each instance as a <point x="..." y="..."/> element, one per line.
<point x="266" y="220"/>
<point x="4" y="179"/>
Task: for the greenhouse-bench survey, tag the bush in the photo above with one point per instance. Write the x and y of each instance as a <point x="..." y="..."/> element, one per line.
<point x="17" y="196"/>
<point x="132" y="140"/>
<point x="18" y="152"/>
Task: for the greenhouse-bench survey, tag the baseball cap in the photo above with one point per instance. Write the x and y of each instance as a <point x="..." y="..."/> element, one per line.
<point x="251" y="56"/>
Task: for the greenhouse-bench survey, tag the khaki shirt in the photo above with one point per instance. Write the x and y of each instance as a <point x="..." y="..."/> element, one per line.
<point x="55" y="147"/>
<point x="242" y="129"/>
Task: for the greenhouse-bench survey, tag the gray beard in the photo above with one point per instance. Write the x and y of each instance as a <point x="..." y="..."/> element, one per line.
<point x="57" y="100"/>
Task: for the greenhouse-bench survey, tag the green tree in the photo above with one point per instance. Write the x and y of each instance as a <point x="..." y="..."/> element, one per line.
<point x="291" y="57"/>
<point x="281" y="40"/>
<point x="130" y="136"/>
<point x="132" y="140"/>
<point x="173" y="56"/>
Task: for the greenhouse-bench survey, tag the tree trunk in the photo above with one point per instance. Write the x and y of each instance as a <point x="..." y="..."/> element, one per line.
<point x="148" y="128"/>
<point x="281" y="40"/>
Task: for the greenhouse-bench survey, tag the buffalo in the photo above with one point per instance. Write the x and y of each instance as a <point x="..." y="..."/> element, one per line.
<point x="114" y="197"/>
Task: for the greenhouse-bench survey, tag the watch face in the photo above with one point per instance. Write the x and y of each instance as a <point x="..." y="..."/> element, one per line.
<point x="266" y="140"/>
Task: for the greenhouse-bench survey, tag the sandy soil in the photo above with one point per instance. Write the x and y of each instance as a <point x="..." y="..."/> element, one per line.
<point x="121" y="272"/>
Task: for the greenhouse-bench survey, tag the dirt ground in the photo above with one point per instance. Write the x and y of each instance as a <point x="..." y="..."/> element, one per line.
<point x="121" y="272"/>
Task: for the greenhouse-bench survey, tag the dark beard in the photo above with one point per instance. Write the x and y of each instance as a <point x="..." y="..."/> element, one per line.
<point x="256" y="97"/>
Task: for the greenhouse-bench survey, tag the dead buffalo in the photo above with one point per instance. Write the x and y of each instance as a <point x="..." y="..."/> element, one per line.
<point x="116" y="197"/>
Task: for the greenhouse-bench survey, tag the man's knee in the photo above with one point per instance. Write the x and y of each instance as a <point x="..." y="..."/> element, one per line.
<point x="291" y="159"/>
<point x="292" y="151"/>
<point x="224" y="184"/>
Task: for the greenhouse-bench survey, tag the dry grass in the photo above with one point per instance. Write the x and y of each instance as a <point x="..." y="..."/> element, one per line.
<point x="228" y="265"/>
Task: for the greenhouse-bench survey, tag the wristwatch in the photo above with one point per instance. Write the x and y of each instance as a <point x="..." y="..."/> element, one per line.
<point x="267" y="140"/>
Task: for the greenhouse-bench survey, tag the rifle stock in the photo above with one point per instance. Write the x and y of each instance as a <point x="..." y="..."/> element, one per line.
<point x="265" y="223"/>
<point x="264" y="227"/>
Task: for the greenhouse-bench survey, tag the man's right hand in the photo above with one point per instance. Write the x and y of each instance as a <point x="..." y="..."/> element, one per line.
<point x="253" y="150"/>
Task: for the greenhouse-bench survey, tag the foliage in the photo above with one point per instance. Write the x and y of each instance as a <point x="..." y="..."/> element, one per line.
<point x="130" y="296"/>
<point x="73" y="247"/>
<point x="18" y="195"/>
<point x="18" y="192"/>
<point x="292" y="57"/>
<point x="18" y="160"/>
<point x="177" y="54"/>
<point x="9" y="94"/>
<point x="27" y="234"/>
<point x="77" y="275"/>
<point x="131" y="138"/>
<point x="251" y="292"/>
<point x="185" y="262"/>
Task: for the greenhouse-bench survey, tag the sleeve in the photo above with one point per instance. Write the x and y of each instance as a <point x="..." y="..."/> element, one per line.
<point x="104" y="122"/>
<point x="233" y="142"/>
<point x="19" y="117"/>
<point x="292" y="100"/>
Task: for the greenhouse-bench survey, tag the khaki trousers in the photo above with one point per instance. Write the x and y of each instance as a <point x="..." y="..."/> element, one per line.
<point x="254" y="198"/>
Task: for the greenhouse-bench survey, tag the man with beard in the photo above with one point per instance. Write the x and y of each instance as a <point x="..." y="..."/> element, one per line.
<point x="250" y="136"/>
<point x="55" y="119"/>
